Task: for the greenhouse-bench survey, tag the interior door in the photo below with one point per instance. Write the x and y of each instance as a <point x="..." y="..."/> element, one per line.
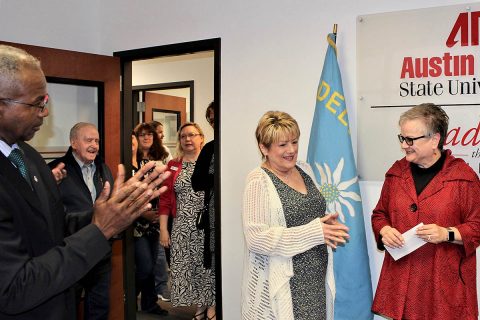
<point x="78" y="67"/>
<point x="139" y="61"/>
<point x="164" y="102"/>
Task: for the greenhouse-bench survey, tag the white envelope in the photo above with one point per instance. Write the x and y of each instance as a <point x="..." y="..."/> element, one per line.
<point x="412" y="243"/>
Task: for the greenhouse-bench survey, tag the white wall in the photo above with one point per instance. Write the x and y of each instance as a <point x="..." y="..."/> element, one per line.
<point x="62" y="24"/>
<point x="272" y="55"/>
<point x="197" y="67"/>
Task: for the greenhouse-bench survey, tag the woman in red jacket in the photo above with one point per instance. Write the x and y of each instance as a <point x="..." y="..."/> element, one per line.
<point x="191" y="283"/>
<point x="430" y="186"/>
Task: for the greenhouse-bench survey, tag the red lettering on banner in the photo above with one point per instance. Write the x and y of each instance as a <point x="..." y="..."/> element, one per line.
<point x="474" y="25"/>
<point x="470" y="137"/>
<point x="473" y="141"/>
<point x="435" y="67"/>
<point x="453" y="141"/>
<point x="407" y="67"/>
<point x="446" y="65"/>
<point x="461" y="26"/>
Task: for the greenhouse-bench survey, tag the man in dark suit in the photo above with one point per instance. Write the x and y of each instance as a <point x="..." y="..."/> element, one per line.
<point x="38" y="264"/>
<point x="86" y="175"/>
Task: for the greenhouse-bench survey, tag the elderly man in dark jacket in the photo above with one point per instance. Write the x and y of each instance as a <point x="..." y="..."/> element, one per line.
<point x="86" y="176"/>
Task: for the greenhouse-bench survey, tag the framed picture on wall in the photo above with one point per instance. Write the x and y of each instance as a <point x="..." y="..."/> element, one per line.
<point x="71" y="101"/>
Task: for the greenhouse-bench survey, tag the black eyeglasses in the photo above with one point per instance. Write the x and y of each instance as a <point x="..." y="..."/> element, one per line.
<point x="40" y="105"/>
<point x="408" y="140"/>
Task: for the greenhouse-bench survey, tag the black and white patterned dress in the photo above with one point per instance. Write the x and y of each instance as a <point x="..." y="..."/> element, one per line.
<point x="310" y="267"/>
<point x="211" y="213"/>
<point x="191" y="282"/>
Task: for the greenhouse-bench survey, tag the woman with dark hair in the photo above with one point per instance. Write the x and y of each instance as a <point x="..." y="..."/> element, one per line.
<point x="161" y="266"/>
<point x="203" y="180"/>
<point x="150" y="146"/>
<point x="146" y="227"/>
<point x="158" y="126"/>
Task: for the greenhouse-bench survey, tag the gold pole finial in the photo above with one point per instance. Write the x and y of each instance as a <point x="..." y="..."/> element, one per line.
<point x="335" y="29"/>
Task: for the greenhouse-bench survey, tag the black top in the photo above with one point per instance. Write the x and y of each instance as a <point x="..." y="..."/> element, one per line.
<point x="423" y="176"/>
<point x="202" y="179"/>
<point x="143" y="226"/>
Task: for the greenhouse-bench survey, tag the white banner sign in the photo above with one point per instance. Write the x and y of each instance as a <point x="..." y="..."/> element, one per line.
<point x="410" y="57"/>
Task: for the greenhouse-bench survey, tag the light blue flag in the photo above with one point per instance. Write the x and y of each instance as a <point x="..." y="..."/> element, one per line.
<point x="331" y="156"/>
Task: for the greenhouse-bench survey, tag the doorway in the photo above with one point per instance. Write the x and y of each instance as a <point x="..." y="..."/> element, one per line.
<point x="171" y="104"/>
<point x="165" y="96"/>
<point x="130" y="116"/>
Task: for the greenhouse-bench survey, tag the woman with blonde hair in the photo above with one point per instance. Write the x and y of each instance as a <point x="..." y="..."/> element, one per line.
<point x="191" y="283"/>
<point x="288" y="266"/>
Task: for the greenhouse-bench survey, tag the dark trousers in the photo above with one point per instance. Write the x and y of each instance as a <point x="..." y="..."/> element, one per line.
<point x="146" y="248"/>
<point x="96" y="285"/>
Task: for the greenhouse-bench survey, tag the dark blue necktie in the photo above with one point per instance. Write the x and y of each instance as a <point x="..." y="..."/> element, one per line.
<point x="16" y="157"/>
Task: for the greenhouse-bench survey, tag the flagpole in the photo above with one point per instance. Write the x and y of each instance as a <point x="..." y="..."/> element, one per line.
<point x="335" y="31"/>
<point x="330" y="150"/>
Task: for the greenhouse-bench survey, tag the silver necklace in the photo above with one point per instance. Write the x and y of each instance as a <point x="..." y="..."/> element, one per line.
<point x="284" y="177"/>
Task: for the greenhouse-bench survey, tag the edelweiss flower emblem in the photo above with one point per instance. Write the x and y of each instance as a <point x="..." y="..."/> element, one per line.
<point x="335" y="191"/>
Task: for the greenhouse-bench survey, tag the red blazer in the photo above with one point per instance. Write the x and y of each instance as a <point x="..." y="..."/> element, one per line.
<point x="168" y="200"/>
<point x="437" y="281"/>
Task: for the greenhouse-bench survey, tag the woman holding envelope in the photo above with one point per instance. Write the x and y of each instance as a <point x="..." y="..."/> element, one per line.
<point x="430" y="186"/>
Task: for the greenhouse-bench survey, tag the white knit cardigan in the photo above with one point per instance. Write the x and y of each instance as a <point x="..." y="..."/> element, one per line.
<point x="270" y="246"/>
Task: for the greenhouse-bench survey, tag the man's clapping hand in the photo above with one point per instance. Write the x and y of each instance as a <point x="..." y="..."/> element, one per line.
<point x="129" y="199"/>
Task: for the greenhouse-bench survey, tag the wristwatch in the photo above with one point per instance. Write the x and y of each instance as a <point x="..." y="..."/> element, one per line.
<point x="451" y="235"/>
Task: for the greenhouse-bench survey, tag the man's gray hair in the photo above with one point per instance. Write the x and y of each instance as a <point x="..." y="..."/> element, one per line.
<point x="12" y="61"/>
<point x="78" y="126"/>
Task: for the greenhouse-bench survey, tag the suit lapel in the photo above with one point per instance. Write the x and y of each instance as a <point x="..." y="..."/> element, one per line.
<point x="40" y="190"/>
<point x="29" y="218"/>
<point x="18" y="182"/>
<point x="98" y="179"/>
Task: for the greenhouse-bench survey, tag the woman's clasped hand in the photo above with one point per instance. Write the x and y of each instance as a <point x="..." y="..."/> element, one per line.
<point x="334" y="232"/>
